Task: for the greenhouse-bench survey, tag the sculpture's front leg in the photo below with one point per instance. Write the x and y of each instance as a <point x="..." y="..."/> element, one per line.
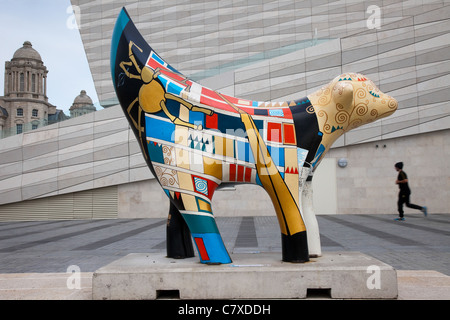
<point x="307" y="210"/>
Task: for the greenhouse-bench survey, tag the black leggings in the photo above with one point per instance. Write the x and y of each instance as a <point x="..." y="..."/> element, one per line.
<point x="403" y="198"/>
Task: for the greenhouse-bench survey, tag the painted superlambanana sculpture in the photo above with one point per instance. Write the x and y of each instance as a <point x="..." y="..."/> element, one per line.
<point x="195" y="139"/>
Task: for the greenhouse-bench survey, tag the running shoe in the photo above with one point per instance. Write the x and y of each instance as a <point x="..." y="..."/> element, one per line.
<point x="424" y="210"/>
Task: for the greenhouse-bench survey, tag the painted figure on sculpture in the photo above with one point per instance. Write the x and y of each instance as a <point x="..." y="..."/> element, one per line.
<point x="195" y="139"/>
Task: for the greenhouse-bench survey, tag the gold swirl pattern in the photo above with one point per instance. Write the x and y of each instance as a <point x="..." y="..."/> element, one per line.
<point x="392" y="104"/>
<point x="360" y="93"/>
<point x="342" y="117"/>
<point x="323" y="100"/>
<point x="347" y="102"/>
<point x="326" y="126"/>
<point x="169" y="155"/>
<point x="167" y="177"/>
<point x="361" y="109"/>
<point x="310" y="109"/>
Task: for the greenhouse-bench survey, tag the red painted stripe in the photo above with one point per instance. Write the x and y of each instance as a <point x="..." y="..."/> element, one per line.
<point x="232" y="172"/>
<point x="201" y="249"/>
<point x="240" y="176"/>
<point x="248" y="174"/>
<point x="153" y="64"/>
<point x="222" y="105"/>
<point x="172" y="75"/>
<point x="211" y="121"/>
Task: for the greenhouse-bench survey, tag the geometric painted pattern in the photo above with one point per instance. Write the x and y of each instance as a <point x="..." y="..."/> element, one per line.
<point x="201" y="185"/>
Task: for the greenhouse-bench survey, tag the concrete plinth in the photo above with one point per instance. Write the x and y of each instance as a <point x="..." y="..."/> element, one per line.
<point x="345" y="275"/>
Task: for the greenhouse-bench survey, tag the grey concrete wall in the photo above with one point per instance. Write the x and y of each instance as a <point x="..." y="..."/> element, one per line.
<point x="367" y="184"/>
<point x="92" y="151"/>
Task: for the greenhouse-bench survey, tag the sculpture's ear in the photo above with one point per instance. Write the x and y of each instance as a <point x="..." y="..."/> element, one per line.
<point x="343" y="93"/>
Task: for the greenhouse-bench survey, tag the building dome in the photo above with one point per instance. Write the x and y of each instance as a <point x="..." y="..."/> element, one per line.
<point x="27" y="52"/>
<point x="82" y="99"/>
<point x="82" y="104"/>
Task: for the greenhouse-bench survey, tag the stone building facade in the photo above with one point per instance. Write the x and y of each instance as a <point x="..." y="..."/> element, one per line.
<point x="25" y="105"/>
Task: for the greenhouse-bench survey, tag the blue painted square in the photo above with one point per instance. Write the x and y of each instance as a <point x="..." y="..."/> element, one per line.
<point x="301" y="156"/>
<point x="155" y="152"/>
<point x="197" y="118"/>
<point x="277" y="155"/>
<point x="276" y="112"/>
<point x="174" y="88"/>
<point x="159" y="129"/>
<point x="244" y="152"/>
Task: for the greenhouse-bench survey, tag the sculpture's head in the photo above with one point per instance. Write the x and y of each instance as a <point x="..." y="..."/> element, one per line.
<point x="347" y="102"/>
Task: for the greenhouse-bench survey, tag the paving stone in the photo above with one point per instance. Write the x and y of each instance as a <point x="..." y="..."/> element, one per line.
<point x="418" y="243"/>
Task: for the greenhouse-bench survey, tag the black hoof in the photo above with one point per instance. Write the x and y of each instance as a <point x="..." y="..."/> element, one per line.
<point x="295" y="248"/>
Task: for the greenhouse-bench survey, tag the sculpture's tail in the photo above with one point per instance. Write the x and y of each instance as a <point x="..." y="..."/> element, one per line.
<point x="127" y="87"/>
<point x="124" y="32"/>
<point x="130" y="54"/>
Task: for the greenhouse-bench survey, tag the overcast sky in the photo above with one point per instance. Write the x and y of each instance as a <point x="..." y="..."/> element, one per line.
<point x="50" y="29"/>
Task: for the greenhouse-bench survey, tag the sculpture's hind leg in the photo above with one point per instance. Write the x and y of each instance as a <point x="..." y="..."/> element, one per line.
<point x="178" y="236"/>
<point x="293" y="230"/>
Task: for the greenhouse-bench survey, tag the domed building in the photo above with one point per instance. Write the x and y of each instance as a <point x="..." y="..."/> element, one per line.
<point x="25" y="105"/>
<point x="27" y="52"/>
<point x="82" y="104"/>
